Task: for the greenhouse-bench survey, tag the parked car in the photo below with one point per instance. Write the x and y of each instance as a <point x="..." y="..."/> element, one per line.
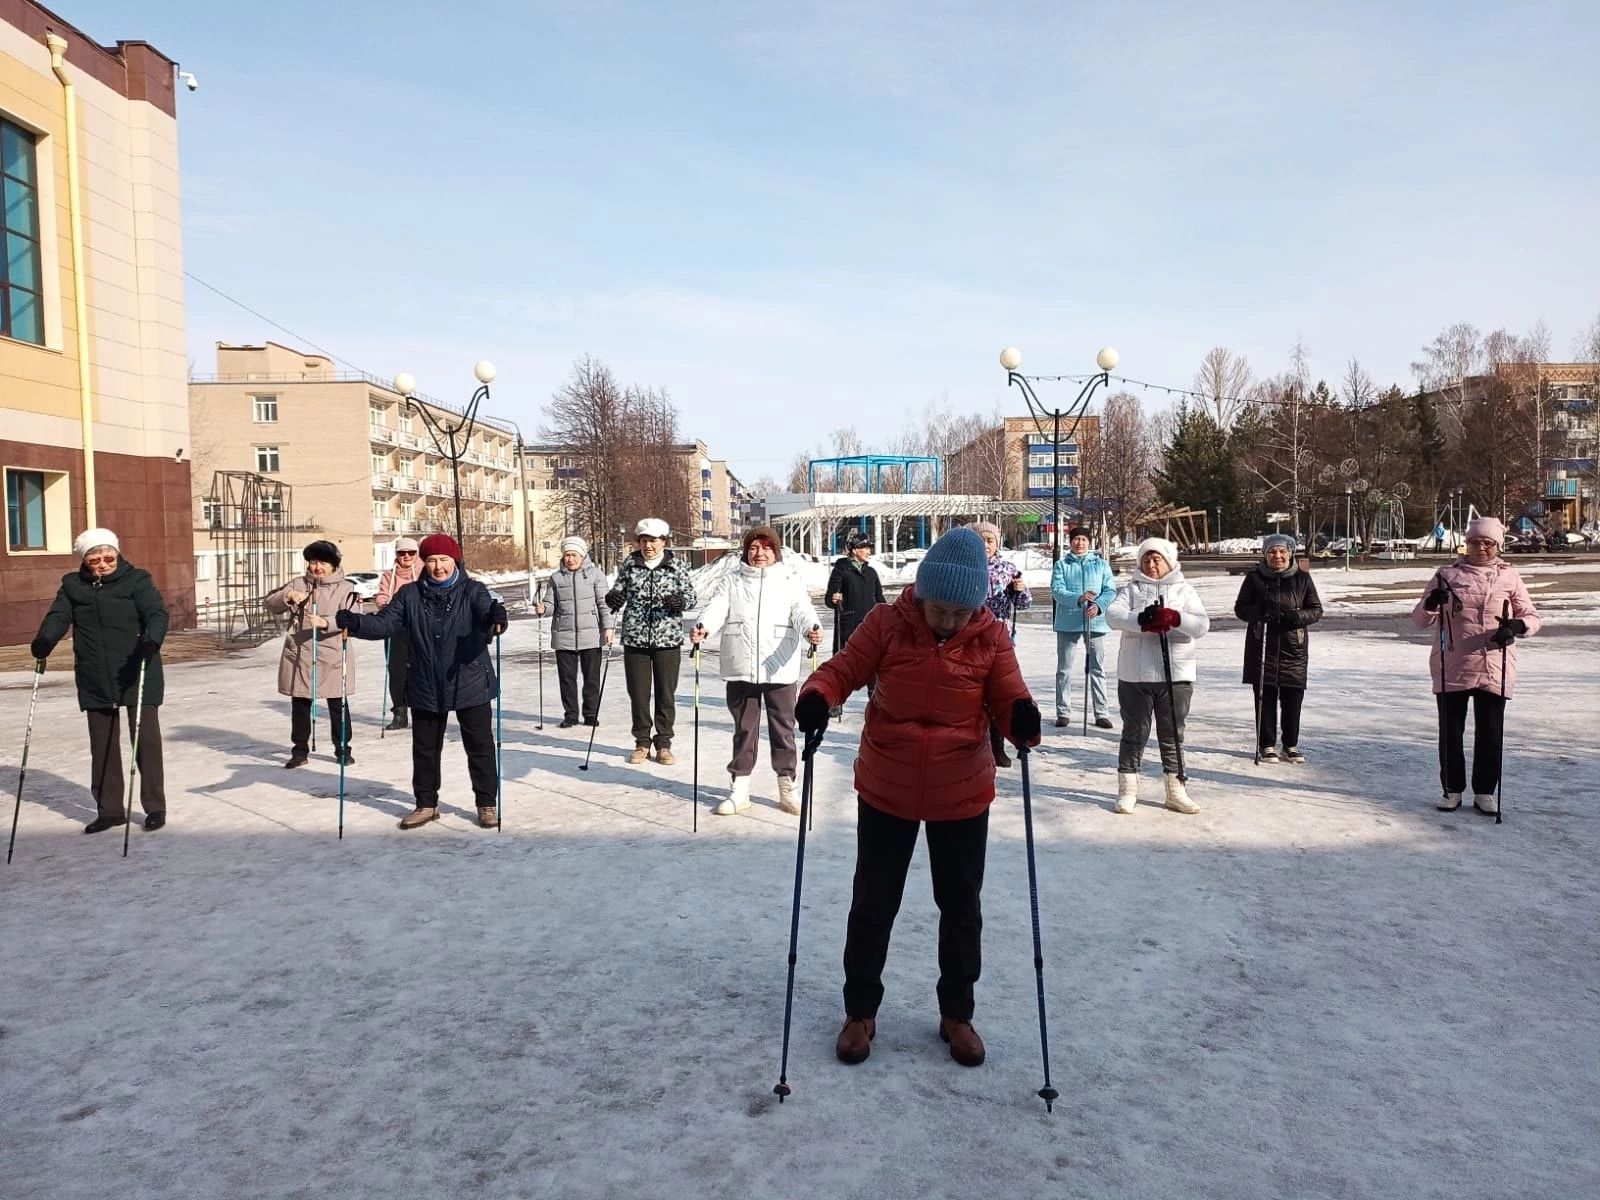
<point x="364" y="583"/>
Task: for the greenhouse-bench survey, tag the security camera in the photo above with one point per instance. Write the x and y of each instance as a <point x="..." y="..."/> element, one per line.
<point x="189" y="80"/>
<point x="179" y="455"/>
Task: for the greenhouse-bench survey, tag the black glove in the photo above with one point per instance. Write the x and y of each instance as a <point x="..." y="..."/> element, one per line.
<point x="345" y="619"/>
<point x="147" y="649"/>
<point x="498" y="618"/>
<point x="40" y="648"/>
<point x="1025" y="722"/>
<point x="614" y="600"/>
<point x="1436" y="598"/>
<point x="673" y="605"/>
<point x="1147" y="617"/>
<point x="1510" y="629"/>
<point x="811" y="712"/>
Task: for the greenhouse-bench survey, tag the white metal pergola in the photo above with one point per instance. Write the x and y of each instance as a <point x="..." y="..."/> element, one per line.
<point x="804" y="529"/>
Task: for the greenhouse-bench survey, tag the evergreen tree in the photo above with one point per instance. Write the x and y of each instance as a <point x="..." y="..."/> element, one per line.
<point x="1198" y="468"/>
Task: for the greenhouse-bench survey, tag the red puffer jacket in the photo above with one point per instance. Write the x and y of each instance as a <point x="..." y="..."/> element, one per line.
<point x="925" y="752"/>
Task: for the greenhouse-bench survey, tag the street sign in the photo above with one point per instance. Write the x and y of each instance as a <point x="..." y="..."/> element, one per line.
<point x="1277" y="516"/>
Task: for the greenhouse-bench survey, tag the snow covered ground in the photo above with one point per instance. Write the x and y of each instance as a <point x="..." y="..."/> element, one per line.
<point x="1319" y="987"/>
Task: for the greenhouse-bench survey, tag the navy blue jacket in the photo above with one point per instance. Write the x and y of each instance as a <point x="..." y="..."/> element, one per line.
<point x="448" y="631"/>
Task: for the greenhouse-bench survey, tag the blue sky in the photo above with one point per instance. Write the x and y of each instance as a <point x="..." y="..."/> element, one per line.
<point x="800" y="216"/>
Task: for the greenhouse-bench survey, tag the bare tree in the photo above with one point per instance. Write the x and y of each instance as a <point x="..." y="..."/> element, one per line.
<point x="1358" y="389"/>
<point x="1586" y="348"/>
<point x="765" y="485"/>
<point x="980" y="461"/>
<point x="1456" y="353"/>
<point x="1223" y="380"/>
<point x="660" y="482"/>
<point x="587" y="417"/>
<point x="1120" y="469"/>
<point x="799" y="473"/>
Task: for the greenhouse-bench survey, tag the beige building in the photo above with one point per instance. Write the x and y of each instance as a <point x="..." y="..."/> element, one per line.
<point x="92" y="355"/>
<point x="360" y="463"/>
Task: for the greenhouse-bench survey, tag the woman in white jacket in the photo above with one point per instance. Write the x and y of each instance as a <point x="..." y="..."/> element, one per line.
<point x="767" y="623"/>
<point x="1155" y="605"/>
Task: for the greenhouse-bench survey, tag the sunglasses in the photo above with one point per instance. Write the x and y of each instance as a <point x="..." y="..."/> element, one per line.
<point x="405" y="553"/>
<point x="99" y="559"/>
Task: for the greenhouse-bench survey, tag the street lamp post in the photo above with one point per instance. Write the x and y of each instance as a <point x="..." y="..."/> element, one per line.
<point x="1347" y="534"/>
<point x="527" y="501"/>
<point x="457" y="434"/>
<point x="1011" y="359"/>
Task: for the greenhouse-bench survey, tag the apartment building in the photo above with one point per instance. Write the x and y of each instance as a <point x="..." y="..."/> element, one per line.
<point x="1565" y="395"/>
<point x="1018" y="461"/>
<point x="356" y="457"/>
<point x="94" y="426"/>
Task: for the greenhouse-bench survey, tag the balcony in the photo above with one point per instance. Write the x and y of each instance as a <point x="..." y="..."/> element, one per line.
<point x="1561" y="489"/>
<point x="382" y="481"/>
<point x="382" y="524"/>
<point x="407" y="483"/>
<point x="409" y="439"/>
<point x="380" y="434"/>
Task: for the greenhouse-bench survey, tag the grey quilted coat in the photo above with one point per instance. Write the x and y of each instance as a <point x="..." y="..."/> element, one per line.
<point x="576" y="601"/>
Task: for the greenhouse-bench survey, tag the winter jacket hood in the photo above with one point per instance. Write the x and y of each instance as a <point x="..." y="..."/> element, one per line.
<point x="1139" y="657"/>
<point x="1468" y="659"/>
<point x="109" y="617"/>
<point x="763" y="616"/>
<point x="303" y="645"/>
<point x="447" y="633"/>
<point x="925" y="751"/>
<point x="1072" y="576"/>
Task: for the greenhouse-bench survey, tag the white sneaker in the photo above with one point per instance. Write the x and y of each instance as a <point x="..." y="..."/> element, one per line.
<point x="1449" y="802"/>
<point x="789" y="795"/>
<point x="1127" y="792"/>
<point x="738" y="797"/>
<point x="1178" y="796"/>
<point x="1486" y="803"/>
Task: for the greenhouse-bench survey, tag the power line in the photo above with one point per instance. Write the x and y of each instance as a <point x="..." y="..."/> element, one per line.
<point x="301" y="338"/>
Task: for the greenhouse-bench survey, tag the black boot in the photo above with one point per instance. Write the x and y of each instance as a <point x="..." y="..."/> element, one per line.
<point x="154" y="821"/>
<point x="400" y="720"/>
<point x="101" y="824"/>
<point x="297" y="758"/>
<point x="567" y="722"/>
<point x="344" y="756"/>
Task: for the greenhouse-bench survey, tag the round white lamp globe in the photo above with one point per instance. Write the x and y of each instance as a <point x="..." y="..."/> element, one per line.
<point x="405" y="384"/>
<point x="484" y="370"/>
<point x="1108" y="359"/>
<point x="1011" y="358"/>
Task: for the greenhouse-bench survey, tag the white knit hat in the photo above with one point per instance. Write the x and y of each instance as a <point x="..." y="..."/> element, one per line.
<point x="574" y="543"/>
<point x="90" y="538"/>
<point x="1162" y="547"/>
<point x="652" y="527"/>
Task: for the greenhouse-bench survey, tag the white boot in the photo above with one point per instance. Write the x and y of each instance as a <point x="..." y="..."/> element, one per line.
<point x="1178" y="796"/>
<point x="1450" y="802"/>
<point x="789" y="795"/>
<point x="738" y="797"/>
<point x="1127" y="791"/>
<point x="1485" y="802"/>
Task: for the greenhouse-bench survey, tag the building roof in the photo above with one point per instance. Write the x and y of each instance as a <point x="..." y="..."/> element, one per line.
<point x="903" y="506"/>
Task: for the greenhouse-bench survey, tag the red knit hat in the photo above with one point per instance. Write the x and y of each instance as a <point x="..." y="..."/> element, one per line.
<point x="441" y="543"/>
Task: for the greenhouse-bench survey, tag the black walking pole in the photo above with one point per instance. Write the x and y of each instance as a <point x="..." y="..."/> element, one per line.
<point x="694" y="796"/>
<point x="539" y="621"/>
<point x="136" y="721"/>
<point x="810" y="811"/>
<point x="605" y="670"/>
<point x="813" y="740"/>
<point x="1500" y="750"/>
<point x="22" y="771"/>
<point x="382" y="725"/>
<point x="1261" y="682"/>
<point x="1047" y="1093"/>
<point x="1172" y="701"/>
<point x="1083" y="606"/>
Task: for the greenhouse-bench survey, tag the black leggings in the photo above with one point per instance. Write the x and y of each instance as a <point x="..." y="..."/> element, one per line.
<point x="1488" y="730"/>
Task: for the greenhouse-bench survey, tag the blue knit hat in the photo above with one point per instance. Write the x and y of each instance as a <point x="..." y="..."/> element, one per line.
<point x="955" y="570"/>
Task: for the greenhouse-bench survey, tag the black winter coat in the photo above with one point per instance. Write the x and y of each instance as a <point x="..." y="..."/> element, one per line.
<point x="861" y="590"/>
<point x="447" y="632"/>
<point x="108" y="618"/>
<point x="1284" y="605"/>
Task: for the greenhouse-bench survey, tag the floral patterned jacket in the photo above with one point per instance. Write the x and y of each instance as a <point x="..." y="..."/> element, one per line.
<point x="1001" y="598"/>
<point x="653" y="599"/>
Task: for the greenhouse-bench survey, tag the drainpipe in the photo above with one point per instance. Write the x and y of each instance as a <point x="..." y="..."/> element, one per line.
<point x="80" y="296"/>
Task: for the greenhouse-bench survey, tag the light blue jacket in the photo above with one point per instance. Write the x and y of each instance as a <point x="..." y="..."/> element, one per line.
<point x="1074" y="575"/>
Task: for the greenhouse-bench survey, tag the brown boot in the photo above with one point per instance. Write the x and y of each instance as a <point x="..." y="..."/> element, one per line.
<point x="487" y="818"/>
<point x="420" y="817"/>
<point x="664" y="756"/>
<point x="966" y="1047"/>
<point x="855" y="1040"/>
<point x="640" y="753"/>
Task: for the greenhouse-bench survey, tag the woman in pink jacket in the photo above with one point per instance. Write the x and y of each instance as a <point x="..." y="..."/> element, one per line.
<point x="1478" y="608"/>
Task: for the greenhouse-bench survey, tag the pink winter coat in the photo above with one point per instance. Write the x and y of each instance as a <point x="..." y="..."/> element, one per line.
<point x="1470" y="660"/>
<point x="395" y="578"/>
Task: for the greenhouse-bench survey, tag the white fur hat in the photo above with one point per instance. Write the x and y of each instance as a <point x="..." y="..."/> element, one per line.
<point x="1162" y="547"/>
<point x="90" y="538"/>
<point x="652" y="527"/>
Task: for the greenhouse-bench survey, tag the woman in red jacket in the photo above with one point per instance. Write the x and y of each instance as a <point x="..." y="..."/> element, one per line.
<point x="945" y="669"/>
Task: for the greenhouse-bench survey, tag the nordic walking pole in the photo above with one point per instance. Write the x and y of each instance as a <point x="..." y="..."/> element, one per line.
<point x="499" y="727"/>
<point x="1047" y="1093"/>
<point x="1500" y="750"/>
<point x="343" y="751"/>
<point x="1172" y="701"/>
<point x="1083" y="606"/>
<point x="539" y="623"/>
<point x="811" y="812"/>
<point x="383" y="725"/>
<point x="813" y="740"/>
<point x="605" y="669"/>
<point x="22" y="771"/>
<point x="313" y="678"/>
<point x="1261" y="682"/>
<point x="133" y="773"/>
<point x="694" y="795"/>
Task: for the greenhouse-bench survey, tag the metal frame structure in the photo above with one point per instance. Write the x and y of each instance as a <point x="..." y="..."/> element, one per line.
<point x="1039" y="412"/>
<point x="798" y="526"/>
<point x="251" y="523"/>
<point x="872" y="467"/>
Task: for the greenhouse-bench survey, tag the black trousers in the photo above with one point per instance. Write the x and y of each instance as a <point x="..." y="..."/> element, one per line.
<point x="399" y="657"/>
<point x="643" y="667"/>
<point x="427" y="747"/>
<point x="884" y="844"/>
<point x="1488" y="730"/>
<point x="300" y="723"/>
<point x="1273" y="699"/>
<point x="106" y="782"/>
<point x="568" y="663"/>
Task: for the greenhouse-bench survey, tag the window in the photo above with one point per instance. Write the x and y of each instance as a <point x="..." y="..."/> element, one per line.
<point x="267" y="460"/>
<point x="266" y="410"/>
<point x="405" y="422"/>
<point x="406" y="467"/>
<point x="211" y="513"/>
<point x="21" y="278"/>
<point x="272" y="505"/>
<point x="375" y="416"/>
<point x="380" y="464"/>
<point x="380" y="509"/>
<point x="408" y="509"/>
<point x="25" y="510"/>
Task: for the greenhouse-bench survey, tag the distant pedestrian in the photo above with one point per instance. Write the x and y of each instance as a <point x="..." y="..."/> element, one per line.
<point x="1480" y="607"/>
<point x="310" y="603"/>
<point x="1084" y="588"/>
<point x="1280" y="603"/>
<point x="580" y="625"/>
<point x="1008" y="595"/>
<point x="118" y="622"/>
<point x="407" y="568"/>
<point x="654" y="587"/>
<point x="854" y="589"/>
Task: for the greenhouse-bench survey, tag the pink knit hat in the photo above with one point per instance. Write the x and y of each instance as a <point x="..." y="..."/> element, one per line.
<point x="1487" y="527"/>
